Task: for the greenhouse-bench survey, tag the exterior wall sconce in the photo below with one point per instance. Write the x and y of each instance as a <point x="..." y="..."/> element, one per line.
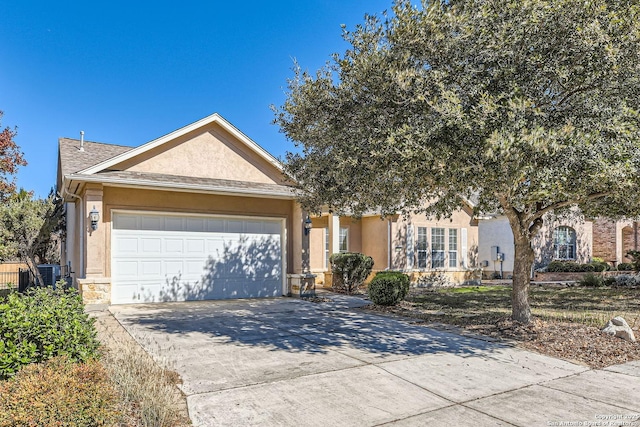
<point x="94" y="217"/>
<point x="307" y="225"/>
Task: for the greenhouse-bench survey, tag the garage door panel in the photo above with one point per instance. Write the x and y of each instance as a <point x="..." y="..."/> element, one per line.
<point x="166" y="258"/>
<point x="173" y="246"/>
<point x="195" y="246"/>
<point x="151" y="246"/>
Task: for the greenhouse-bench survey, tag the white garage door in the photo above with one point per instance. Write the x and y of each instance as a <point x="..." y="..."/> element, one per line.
<point x="178" y="258"/>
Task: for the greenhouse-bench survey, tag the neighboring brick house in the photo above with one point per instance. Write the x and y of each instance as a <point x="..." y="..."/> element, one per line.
<point x="613" y="239"/>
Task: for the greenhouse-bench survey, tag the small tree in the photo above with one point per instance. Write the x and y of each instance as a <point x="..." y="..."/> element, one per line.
<point x="529" y="107"/>
<point x="27" y="229"/>
<point x="10" y="159"/>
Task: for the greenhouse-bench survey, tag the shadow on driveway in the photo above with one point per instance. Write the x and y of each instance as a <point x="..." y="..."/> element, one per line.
<point x="292" y="325"/>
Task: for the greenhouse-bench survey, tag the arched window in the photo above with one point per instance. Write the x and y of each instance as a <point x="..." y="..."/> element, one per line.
<point x="564" y="243"/>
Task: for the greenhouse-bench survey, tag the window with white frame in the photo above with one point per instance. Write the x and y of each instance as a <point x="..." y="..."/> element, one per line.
<point x="344" y="239"/>
<point x="453" y="248"/>
<point x="421" y="247"/>
<point x="564" y="243"/>
<point x="437" y="248"/>
<point x="326" y="247"/>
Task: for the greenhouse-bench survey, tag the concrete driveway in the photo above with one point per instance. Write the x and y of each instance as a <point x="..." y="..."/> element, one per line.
<point x="297" y="363"/>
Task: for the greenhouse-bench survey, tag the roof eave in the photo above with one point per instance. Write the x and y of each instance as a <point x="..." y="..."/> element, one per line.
<point x="186" y="188"/>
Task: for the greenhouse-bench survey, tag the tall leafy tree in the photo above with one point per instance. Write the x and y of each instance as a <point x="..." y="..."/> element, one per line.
<point x="530" y="107"/>
<point x="10" y="159"/>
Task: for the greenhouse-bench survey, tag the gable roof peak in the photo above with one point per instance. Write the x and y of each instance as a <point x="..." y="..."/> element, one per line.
<point x="213" y="118"/>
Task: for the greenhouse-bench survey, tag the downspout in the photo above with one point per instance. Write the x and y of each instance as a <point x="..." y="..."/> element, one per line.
<point x="389" y="244"/>
<point x="65" y="193"/>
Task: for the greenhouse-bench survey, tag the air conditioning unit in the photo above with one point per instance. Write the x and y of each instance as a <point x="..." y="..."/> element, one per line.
<point x="50" y="273"/>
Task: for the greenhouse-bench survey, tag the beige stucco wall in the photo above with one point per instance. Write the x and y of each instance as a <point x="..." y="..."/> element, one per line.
<point x="208" y="152"/>
<point x="404" y="256"/>
<point x="375" y="241"/>
<point x="370" y="235"/>
<point x="178" y="202"/>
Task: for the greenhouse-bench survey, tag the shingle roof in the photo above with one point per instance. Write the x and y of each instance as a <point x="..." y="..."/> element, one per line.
<point x="73" y="160"/>
<point x="189" y="182"/>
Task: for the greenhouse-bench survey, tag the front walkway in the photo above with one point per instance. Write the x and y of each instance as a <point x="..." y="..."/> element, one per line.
<point x="290" y="362"/>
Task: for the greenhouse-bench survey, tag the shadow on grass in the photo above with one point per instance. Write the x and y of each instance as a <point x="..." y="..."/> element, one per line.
<point x="472" y="305"/>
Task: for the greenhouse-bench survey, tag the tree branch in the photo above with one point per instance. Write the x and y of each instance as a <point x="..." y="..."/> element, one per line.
<point x="540" y="213"/>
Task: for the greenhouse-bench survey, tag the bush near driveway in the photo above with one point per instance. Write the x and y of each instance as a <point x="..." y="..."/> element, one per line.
<point x="42" y="324"/>
<point x="59" y="392"/>
<point x="350" y="270"/>
<point x="388" y="288"/>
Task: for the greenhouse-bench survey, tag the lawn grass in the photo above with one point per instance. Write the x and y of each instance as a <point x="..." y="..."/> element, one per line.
<point x="487" y="304"/>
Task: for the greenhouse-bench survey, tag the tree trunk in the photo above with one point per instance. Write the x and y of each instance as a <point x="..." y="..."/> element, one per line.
<point x="522" y="263"/>
<point x="31" y="263"/>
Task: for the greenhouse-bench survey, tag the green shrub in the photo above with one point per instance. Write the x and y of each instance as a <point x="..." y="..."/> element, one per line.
<point x="574" y="267"/>
<point x="592" y="281"/>
<point x="404" y="280"/>
<point x="350" y="270"/>
<point x="625" y="266"/>
<point x="42" y="324"/>
<point x="600" y="266"/>
<point x="59" y="393"/>
<point x="635" y="259"/>
<point x="388" y="288"/>
<point x="563" y="266"/>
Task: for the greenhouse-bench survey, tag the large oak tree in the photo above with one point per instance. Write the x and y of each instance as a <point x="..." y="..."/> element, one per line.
<point x="530" y="107"/>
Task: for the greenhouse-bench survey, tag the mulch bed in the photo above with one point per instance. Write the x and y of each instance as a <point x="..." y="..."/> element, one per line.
<point x="574" y="342"/>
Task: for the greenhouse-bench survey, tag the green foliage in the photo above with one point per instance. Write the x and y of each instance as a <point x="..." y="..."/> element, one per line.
<point x="635" y="259"/>
<point x="27" y="225"/>
<point x="388" y="288"/>
<point x="59" y="393"/>
<point x="574" y="267"/>
<point x="42" y="324"/>
<point x="399" y="276"/>
<point x="350" y="270"/>
<point x="592" y="281"/>
<point x="625" y="266"/>
<point x="529" y="106"/>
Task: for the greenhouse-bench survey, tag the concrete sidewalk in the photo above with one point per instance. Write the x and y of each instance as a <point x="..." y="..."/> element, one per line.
<point x="292" y="362"/>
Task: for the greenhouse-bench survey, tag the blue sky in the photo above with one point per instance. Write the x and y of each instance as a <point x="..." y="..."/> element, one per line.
<point x="128" y="72"/>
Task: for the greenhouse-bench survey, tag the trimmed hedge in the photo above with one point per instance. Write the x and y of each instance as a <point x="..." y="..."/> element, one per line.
<point x="388" y="288"/>
<point x="42" y="324"/>
<point x="350" y="270"/>
<point x="574" y="267"/>
<point x="625" y="266"/>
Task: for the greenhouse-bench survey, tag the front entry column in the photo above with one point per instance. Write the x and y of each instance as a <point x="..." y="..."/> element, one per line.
<point x="334" y="234"/>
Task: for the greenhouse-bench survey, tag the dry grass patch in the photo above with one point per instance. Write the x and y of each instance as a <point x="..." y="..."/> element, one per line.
<point x="567" y="319"/>
<point x="149" y="391"/>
